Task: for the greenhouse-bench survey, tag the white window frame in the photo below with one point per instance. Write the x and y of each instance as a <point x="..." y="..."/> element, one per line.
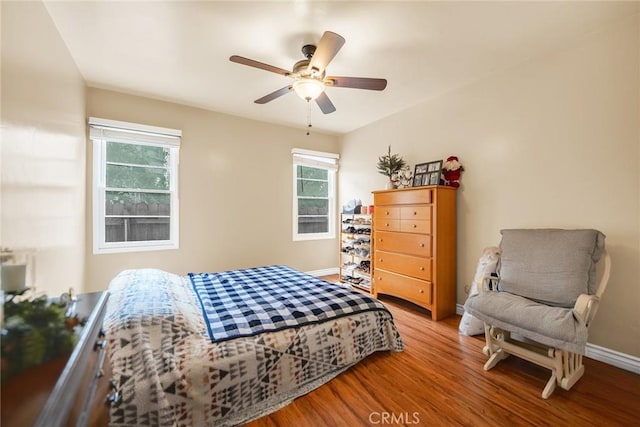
<point x="321" y="160"/>
<point x="102" y="131"/>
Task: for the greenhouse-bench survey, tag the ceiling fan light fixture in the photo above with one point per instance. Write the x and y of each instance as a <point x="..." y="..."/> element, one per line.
<point x="308" y="88"/>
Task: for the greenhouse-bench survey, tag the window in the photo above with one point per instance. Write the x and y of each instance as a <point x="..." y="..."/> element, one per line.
<point x="314" y="189"/>
<point x="135" y="186"/>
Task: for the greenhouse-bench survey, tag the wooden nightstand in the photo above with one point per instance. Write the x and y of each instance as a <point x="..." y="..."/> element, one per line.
<point x="67" y="390"/>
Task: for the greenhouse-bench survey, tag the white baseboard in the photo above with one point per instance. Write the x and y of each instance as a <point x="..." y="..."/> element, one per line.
<point x="601" y="354"/>
<point x="324" y="272"/>
<point x="614" y="358"/>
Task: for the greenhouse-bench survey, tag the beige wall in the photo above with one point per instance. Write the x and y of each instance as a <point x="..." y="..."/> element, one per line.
<point x="235" y="187"/>
<point x="553" y="142"/>
<point x="42" y="148"/>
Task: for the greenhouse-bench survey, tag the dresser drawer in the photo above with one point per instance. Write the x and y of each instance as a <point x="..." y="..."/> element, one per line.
<point x="415" y="212"/>
<point x="402" y="197"/>
<point x="415" y="226"/>
<point x="80" y="411"/>
<point x="414" y="290"/>
<point x="385" y="213"/>
<point x="412" y="244"/>
<point x="413" y="266"/>
<point x="386" y="224"/>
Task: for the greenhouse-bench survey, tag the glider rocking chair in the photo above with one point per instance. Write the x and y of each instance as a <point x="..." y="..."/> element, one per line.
<point x="543" y="299"/>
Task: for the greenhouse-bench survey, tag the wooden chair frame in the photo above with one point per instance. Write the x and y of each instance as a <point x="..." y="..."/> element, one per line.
<point x="566" y="367"/>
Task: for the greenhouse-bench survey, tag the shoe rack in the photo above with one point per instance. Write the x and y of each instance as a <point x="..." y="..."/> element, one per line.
<point x="355" y="250"/>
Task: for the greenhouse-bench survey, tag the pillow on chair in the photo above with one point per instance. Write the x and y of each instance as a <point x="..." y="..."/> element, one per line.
<point x="549" y="265"/>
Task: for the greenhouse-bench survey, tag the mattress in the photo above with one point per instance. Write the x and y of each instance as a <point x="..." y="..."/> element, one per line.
<point x="171" y="370"/>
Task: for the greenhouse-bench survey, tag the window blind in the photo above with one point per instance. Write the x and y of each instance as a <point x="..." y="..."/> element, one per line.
<point x="315" y="159"/>
<point x="132" y="133"/>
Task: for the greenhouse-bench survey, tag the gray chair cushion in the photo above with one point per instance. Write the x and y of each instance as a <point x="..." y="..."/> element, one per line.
<point x="549" y="265"/>
<point x="553" y="326"/>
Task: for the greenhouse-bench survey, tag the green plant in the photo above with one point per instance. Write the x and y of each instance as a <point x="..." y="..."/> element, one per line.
<point x="390" y="164"/>
<point x="35" y="331"/>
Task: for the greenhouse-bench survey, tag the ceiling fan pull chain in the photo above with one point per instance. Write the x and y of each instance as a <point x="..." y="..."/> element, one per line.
<point x="308" y="115"/>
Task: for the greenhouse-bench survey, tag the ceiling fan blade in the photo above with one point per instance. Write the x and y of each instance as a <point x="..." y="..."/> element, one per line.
<point x="273" y="95"/>
<point x="329" y="45"/>
<point x="356" y="82"/>
<point x="251" y="63"/>
<point x="325" y="103"/>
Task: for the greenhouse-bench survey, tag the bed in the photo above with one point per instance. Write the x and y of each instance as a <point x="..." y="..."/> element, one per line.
<point x="219" y="349"/>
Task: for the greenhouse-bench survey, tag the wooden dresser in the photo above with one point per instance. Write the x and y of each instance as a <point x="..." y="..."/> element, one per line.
<point x="414" y="238"/>
<point x="70" y="390"/>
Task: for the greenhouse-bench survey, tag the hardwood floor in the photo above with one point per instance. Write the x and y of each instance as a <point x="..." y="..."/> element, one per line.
<point x="439" y="380"/>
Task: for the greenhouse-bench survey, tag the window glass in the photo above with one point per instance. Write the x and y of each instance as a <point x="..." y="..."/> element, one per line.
<point x="314" y="198"/>
<point x="135" y="192"/>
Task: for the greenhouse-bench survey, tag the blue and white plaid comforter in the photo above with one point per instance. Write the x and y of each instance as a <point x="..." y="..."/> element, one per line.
<point x="242" y="303"/>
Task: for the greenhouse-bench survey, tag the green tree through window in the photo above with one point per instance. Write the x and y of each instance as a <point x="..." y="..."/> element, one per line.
<point x="313" y="199"/>
<point x="138" y="167"/>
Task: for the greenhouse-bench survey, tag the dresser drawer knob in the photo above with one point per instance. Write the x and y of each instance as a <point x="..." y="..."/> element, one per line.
<point x="415" y="213"/>
<point x="421" y="291"/>
<point x="380" y="260"/>
<point x="422" y="245"/>
<point x="387" y="224"/>
<point x="387" y="213"/>
<point x="421" y="268"/>
<point x="415" y="226"/>
<point x="381" y="239"/>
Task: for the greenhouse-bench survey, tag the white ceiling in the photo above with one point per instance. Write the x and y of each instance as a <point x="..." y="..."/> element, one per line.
<point x="179" y="51"/>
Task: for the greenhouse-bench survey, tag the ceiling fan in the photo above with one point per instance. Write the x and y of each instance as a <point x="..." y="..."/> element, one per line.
<point x="309" y="79"/>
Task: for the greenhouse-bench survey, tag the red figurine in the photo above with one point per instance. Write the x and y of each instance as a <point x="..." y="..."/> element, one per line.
<point x="451" y="171"/>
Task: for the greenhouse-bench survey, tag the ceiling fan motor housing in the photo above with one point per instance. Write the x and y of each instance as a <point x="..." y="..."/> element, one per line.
<point x="308" y="50"/>
<point x="301" y="69"/>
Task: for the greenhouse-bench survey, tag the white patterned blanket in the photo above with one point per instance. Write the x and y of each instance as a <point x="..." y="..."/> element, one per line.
<point x="171" y="374"/>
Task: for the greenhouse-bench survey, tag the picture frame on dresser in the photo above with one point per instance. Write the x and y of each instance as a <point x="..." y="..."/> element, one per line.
<point x="434" y="178"/>
<point x="427" y="173"/>
<point x="421" y="169"/>
<point x="434" y="166"/>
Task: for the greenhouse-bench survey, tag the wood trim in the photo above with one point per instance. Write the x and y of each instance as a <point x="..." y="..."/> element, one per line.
<point x="445" y="251"/>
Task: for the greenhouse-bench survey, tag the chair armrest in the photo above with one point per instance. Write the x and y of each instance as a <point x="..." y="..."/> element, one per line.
<point x="585" y="307"/>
